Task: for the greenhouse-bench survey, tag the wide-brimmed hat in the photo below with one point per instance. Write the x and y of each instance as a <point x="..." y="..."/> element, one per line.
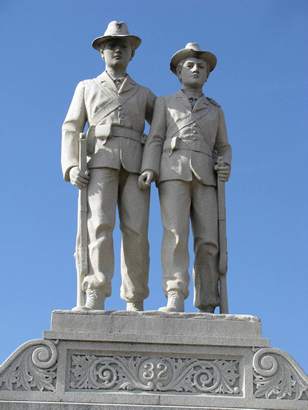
<point x="116" y="29"/>
<point x="192" y="50"/>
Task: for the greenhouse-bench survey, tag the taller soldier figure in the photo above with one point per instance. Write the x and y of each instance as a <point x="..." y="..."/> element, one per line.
<point x="115" y="108"/>
<point x="187" y="136"/>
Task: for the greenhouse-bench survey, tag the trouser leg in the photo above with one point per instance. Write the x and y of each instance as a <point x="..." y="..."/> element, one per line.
<point x="134" y="215"/>
<point x="205" y="230"/>
<point x="102" y="200"/>
<point x="175" y="208"/>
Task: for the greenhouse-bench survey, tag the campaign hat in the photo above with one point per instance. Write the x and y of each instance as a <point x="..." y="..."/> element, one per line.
<point x="116" y="29"/>
<point x="193" y="50"/>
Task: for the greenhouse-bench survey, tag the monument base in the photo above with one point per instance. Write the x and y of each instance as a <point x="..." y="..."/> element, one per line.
<point x="151" y="360"/>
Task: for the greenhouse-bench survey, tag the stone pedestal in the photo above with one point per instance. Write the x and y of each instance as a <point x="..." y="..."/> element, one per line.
<point x="151" y="360"/>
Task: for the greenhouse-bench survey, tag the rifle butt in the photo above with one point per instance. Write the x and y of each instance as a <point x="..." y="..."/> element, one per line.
<point x="224" y="305"/>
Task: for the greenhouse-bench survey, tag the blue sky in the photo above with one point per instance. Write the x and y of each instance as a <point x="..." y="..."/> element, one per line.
<point x="261" y="81"/>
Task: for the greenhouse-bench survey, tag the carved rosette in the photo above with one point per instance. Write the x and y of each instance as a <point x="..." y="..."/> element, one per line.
<point x="277" y="376"/>
<point x="31" y="368"/>
<point x="155" y="374"/>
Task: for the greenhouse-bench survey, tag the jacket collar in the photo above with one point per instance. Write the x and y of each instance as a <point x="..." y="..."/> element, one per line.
<point x="200" y="104"/>
<point x="106" y="80"/>
<point x="127" y="85"/>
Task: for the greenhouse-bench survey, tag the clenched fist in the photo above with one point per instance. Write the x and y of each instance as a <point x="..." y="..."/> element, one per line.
<point x="78" y="178"/>
<point x="222" y="169"/>
<point x="145" y="179"/>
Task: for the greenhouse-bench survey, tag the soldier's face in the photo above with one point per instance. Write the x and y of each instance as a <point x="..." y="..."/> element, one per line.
<point x="117" y="52"/>
<point x="193" y="72"/>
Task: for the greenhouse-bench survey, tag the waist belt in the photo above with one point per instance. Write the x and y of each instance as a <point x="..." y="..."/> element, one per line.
<point x="104" y="131"/>
<point x="176" y="143"/>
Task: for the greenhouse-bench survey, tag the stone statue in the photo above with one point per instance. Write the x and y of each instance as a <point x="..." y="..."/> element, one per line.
<point x="187" y="137"/>
<point x="114" y="107"/>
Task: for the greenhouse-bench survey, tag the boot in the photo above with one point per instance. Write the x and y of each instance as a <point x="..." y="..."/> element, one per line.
<point x="94" y="300"/>
<point x="175" y="302"/>
<point x="134" y="306"/>
<point x="207" y="309"/>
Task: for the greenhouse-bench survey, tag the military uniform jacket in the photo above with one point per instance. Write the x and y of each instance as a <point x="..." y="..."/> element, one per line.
<point x="184" y="142"/>
<point x="116" y="124"/>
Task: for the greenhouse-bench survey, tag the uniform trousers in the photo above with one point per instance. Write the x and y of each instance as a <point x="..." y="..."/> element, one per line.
<point x="107" y="189"/>
<point x="182" y="201"/>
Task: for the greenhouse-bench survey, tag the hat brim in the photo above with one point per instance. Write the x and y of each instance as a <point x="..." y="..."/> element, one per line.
<point x="99" y="41"/>
<point x="207" y="56"/>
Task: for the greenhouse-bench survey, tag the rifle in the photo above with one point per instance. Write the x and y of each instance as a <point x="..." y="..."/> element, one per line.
<point x="82" y="242"/>
<point x="223" y="252"/>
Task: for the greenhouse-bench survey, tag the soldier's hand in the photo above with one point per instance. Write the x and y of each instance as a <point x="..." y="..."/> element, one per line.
<point x="78" y="178"/>
<point x="223" y="171"/>
<point x="145" y="179"/>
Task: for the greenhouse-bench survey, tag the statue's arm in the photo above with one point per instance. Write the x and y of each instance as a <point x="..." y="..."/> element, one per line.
<point x="223" y="149"/>
<point x="73" y="125"/>
<point x="154" y="144"/>
<point x="150" y="106"/>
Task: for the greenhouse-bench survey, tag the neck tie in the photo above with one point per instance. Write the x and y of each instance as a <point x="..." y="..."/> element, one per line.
<point x="192" y="101"/>
<point x="118" y="82"/>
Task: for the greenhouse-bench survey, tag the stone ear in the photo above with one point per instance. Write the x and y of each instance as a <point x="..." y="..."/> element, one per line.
<point x="208" y="71"/>
<point x="179" y="71"/>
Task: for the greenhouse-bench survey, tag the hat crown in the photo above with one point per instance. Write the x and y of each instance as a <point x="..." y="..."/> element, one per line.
<point x="193" y="49"/>
<point x="193" y="46"/>
<point x="116" y="28"/>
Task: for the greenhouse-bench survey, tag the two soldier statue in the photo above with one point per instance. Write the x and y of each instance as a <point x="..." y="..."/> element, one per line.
<point x="186" y="153"/>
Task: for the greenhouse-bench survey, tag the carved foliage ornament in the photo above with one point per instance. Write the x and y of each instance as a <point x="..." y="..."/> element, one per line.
<point x="277" y="376"/>
<point x="31" y="368"/>
<point x="156" y="374"/>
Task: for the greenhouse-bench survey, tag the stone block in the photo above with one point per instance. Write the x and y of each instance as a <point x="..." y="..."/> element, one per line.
<point x="157" y="327"/>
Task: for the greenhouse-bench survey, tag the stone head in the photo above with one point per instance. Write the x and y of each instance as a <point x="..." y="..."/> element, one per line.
<point x="117" y="52"/>
<point x="192" y="65"/>
<point x="192" y="72"/>
<point x="116" y="46"/>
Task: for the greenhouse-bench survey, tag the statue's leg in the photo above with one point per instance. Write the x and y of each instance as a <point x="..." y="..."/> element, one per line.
<point x="102" y="200"/>
<point x="175" y="201"/>
<point x="205" y="230"/>
<point x="134" y="216"/>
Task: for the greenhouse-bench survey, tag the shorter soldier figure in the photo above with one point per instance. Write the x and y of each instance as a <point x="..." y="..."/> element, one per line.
<point x="115" y="108"/>
<point x="187" y="135"/>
